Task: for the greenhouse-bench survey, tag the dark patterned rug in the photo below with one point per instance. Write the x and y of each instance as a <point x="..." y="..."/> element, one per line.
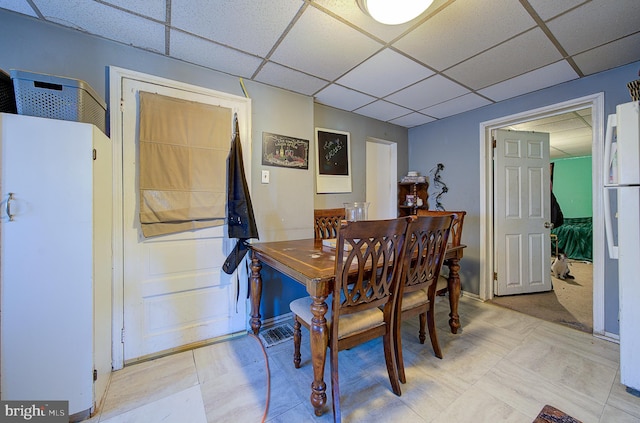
<point x="551" y="414"/>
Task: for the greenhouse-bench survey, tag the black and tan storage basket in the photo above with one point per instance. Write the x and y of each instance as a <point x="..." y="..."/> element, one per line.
<point x="634" y="89"/>
<point x="7" y="95"/>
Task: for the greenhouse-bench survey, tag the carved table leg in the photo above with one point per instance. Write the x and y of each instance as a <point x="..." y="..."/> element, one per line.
<point x="454" y="293"/>
<point x="255" y="288"/>
<point x="319" y="338"/>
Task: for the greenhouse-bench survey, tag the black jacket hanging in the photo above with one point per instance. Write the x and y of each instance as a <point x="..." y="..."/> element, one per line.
<point x="557" y="218"/>
<point x="241" y="222"/>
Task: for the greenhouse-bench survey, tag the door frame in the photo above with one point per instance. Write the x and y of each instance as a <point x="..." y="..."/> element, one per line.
<point x="596" y="103"/>
<point x="116" y="77"/>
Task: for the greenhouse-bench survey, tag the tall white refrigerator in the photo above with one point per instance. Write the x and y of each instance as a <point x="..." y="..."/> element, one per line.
<point x="622" y="156"/>
<point x="55" y="261"/>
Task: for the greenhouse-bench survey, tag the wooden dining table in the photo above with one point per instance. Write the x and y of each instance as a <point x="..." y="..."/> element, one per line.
<point x="312" y="264"/>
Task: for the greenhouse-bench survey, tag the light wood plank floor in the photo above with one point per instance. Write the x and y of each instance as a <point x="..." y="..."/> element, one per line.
<point x="503" y="366"/>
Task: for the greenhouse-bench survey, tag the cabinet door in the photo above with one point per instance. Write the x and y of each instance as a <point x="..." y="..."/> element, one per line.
<point x="46" y="260"/>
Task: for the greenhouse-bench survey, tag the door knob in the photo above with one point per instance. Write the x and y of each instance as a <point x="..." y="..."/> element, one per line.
<point x="548" y="225"/>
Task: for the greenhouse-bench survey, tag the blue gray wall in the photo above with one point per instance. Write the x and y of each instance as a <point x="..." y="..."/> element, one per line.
<point x="284" y="207"/>
<point x="454" y="141"/>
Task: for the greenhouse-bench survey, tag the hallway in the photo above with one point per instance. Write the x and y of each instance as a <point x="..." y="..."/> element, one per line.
<point x="570" y="303"/>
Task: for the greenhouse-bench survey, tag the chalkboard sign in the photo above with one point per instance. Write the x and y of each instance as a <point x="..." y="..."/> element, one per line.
<point x="333" y="170"/>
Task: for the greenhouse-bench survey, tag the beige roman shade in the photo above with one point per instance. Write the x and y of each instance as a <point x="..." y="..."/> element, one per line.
<point x="183" y="150"/>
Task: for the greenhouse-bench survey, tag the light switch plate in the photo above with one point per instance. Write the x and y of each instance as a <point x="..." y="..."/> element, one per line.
<point x="265" y="176"/>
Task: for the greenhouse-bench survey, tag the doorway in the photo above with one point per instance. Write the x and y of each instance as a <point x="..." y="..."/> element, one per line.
<point x="596" y="104"/>
<point x="381" y="175"/>
<point x="570" y="303"/>
<point x="169" y="291"/>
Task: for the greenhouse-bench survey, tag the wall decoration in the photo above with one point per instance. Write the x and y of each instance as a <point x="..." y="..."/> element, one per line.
<point x="283" y="151"/>
<point x="439" y="185"/>
<point x="333" y="170"/>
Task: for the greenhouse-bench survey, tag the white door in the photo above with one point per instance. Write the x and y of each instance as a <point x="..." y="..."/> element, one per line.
<point x="175" y="292"/>
<point x="381" y="179"/>
<point x="522" y="191"/>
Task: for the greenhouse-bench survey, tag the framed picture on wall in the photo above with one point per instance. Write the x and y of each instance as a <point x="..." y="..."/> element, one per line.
<point x="333" y="165"/>
<point x="283" y="151"/>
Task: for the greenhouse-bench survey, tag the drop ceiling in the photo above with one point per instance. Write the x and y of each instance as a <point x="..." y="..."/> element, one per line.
<point x="570" y="134"/>
<point x="457" y="56"/>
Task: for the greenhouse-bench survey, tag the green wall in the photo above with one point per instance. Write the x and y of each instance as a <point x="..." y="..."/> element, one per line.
<point x="572" y="186"/>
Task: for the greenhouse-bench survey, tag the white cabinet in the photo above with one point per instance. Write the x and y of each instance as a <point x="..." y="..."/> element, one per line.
<point x="55" y="262"/>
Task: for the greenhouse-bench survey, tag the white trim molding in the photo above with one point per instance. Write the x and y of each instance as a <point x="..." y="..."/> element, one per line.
<point x="596" y="103"/>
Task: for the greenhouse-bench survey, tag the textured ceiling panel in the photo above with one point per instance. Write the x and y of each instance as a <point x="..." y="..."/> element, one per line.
<point x="548" y="9"/>
<point x="279" y="76"/>
<point x="623" y="18"/>
<point x="227" y="21"/>
<point x="106" y="22"/>
<point x="206" y="53"/>
<point x="464" y="29"/>
<point x="506" y="60"/>
<point x="372" y="76"/>
<point x="331" y="48"/>
<point x="343" y="98"/>
<point x="456" y="56"/>
<point x="426" y="93"/>
<point x="547" y="76"/>
<point x="382" y="110"/>
<point x="456" y="105"/>
<point x="155" y="9"/>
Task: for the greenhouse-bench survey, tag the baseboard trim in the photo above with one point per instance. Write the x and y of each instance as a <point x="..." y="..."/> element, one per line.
<point x="608" y="336"/>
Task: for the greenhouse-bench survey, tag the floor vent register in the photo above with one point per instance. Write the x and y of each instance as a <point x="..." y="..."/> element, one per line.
<point x="276" y="335"/>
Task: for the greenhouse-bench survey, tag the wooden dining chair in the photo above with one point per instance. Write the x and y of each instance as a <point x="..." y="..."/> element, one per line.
<point x="327" y="222"/>
<point x="454" y="239"/>
<point x="427" y="239"/>
<point x="368" y="267"/>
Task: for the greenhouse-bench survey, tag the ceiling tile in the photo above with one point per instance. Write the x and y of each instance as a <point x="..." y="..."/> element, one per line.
<point x="156" y="9"/>
<point x="426" y="93"/>
<point x="572" y="137"/>
<point x="18" y="6"/>
<point x="382" y="110"/>
<point x="248" y="25"/>
<point x="279" y="76"/>
<point x="331" y="48"/>
<point x="457" y="105"/>
<point x="583" y="28"/>
<point x="343" y="98"/>
<point x="506" y="60"/>
<point x="547" y="76"/>
<point x="372" y="76"/>
<point x="609" y="56"/>
<point x="463" y="29"/>
<point x="548" y="9"/>
<point x="567" y="152"/>
<point x="107" y="22"/>
<point x="412" y="119"/>
<point x="570" y="133"/>
<point x="480" y="50"/>
<point x="196" y="50"/>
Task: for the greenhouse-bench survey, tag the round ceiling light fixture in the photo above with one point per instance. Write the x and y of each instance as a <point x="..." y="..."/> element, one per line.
<point x="393" y="12"/>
